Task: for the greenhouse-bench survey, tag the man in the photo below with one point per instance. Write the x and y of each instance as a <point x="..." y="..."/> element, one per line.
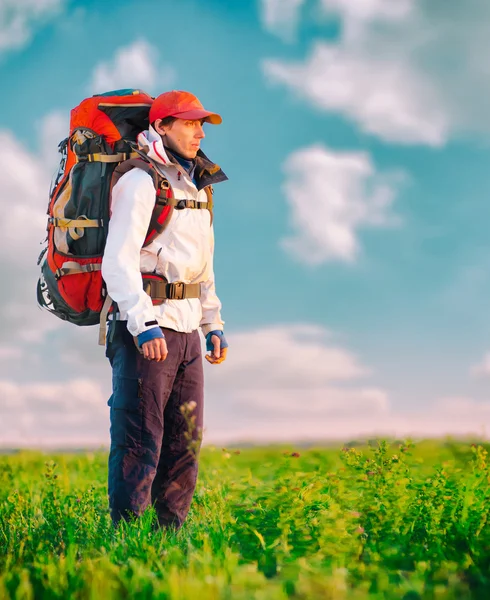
<point x="155" y="352"/>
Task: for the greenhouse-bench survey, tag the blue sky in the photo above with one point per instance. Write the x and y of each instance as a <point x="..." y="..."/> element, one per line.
<point x="351" y="238"/>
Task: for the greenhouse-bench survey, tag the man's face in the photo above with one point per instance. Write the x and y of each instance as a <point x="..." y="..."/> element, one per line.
<point x="183" y="136"/>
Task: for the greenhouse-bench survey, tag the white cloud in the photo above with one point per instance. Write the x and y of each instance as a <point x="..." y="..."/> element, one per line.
<point x="382" y="95"/>
<point x="407" y="72"/>
<point x="280" y="17"/>
<point x="399" y="425"/>
<point x="22" y="228"/>
<point x="279" y="384"/>
<point x="463" y="407"/>
<point x="291" y="375"/>
<point x="133" y="66"/>
<point x="322" y="402"/>
<point x="282" y="383"/>
<point x="52" y="129"/>
<point x="364" y="11"/>
<point x="298" y="372"/>
<point x="24" y="222"/>
<point x="10" y="353"/>
<point x="294" y="356"/>
<point x="18" y="18"/>
<point x="331" y="196"/>
<point x="482" y="369"/>
<point x="74" y="413"/>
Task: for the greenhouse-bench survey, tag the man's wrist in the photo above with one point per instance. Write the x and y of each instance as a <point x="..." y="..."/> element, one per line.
<point x="208" y="327"/>
<point x="149" y="334"/>
<point x="209" y="342"/>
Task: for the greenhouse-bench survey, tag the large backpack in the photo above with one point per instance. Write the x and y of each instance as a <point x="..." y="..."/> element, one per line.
<point x="103" y="132"/>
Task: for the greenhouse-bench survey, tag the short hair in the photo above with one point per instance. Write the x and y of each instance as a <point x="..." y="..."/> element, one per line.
<point x="165" y="121"/>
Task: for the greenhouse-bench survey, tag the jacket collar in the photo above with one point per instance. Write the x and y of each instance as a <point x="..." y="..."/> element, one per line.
<point x="206" y="173"/>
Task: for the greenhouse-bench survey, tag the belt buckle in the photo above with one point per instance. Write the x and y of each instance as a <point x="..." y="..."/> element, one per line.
<point x="177" y="290"/>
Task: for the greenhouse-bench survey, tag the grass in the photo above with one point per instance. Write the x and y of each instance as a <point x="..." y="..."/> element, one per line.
<point x="377" y="521"/>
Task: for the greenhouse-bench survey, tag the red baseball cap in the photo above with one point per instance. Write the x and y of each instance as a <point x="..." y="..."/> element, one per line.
<point x="182" y="105"/>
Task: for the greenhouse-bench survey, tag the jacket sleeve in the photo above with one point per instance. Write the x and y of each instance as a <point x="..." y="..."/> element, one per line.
<point x="133" y="199"/>
<point x="211" y="305"/>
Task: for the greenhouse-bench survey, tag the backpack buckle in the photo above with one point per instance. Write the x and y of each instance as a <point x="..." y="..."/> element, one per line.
<point x="176" y="291"/>
<point x="181" y="204"/>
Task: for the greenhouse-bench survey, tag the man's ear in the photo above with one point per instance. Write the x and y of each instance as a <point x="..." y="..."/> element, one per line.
<point x="158" y="127"/>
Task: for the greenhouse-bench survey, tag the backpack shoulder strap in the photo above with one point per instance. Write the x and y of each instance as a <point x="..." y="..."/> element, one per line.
<point x="209" y="193"/>
<point x="139" y="163"/>
<point x="161" y="212"/>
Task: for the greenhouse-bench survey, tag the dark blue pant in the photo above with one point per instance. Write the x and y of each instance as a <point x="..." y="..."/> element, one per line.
<point x="156" y="426"/>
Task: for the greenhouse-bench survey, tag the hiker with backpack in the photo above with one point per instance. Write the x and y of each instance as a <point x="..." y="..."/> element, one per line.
<point x="157" y="402"/>
<point x="144" y="256"/>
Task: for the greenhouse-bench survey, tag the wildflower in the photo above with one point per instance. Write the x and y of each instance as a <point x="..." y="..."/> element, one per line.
<point x="189" y="407"/>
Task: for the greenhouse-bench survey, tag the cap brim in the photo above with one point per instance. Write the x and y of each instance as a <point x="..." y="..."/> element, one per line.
<point x="210" y="117"/>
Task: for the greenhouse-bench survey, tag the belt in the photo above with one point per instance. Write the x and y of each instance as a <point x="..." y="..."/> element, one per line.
<point x="159" y="289"/>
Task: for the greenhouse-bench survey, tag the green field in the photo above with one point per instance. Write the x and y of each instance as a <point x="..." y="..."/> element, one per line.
<point x="397" y="521"/>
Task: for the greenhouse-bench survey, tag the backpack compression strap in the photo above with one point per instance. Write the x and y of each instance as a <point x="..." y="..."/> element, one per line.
<point x="103" y="320"/>
<point x="106" y="158"/>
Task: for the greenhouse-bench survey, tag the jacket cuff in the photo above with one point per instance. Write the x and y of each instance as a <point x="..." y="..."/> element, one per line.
<point x="149" y="334"/>
<point x="208" y="327"/>
<point x="218" y="333"/>
<point x="141" y="317"/>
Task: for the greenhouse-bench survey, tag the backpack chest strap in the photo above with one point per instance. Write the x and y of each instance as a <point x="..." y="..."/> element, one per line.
<point x="180" y="204"/>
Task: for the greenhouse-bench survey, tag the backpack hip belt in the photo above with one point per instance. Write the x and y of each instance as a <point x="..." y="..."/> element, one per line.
<point x="159" y="289"/>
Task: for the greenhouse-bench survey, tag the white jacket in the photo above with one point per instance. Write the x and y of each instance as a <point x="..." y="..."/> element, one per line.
<point x="182" y="252"/>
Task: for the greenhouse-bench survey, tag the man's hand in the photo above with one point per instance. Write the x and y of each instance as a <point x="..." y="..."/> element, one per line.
<point x="155" y="349"/>
<point x="218" y="355"/>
